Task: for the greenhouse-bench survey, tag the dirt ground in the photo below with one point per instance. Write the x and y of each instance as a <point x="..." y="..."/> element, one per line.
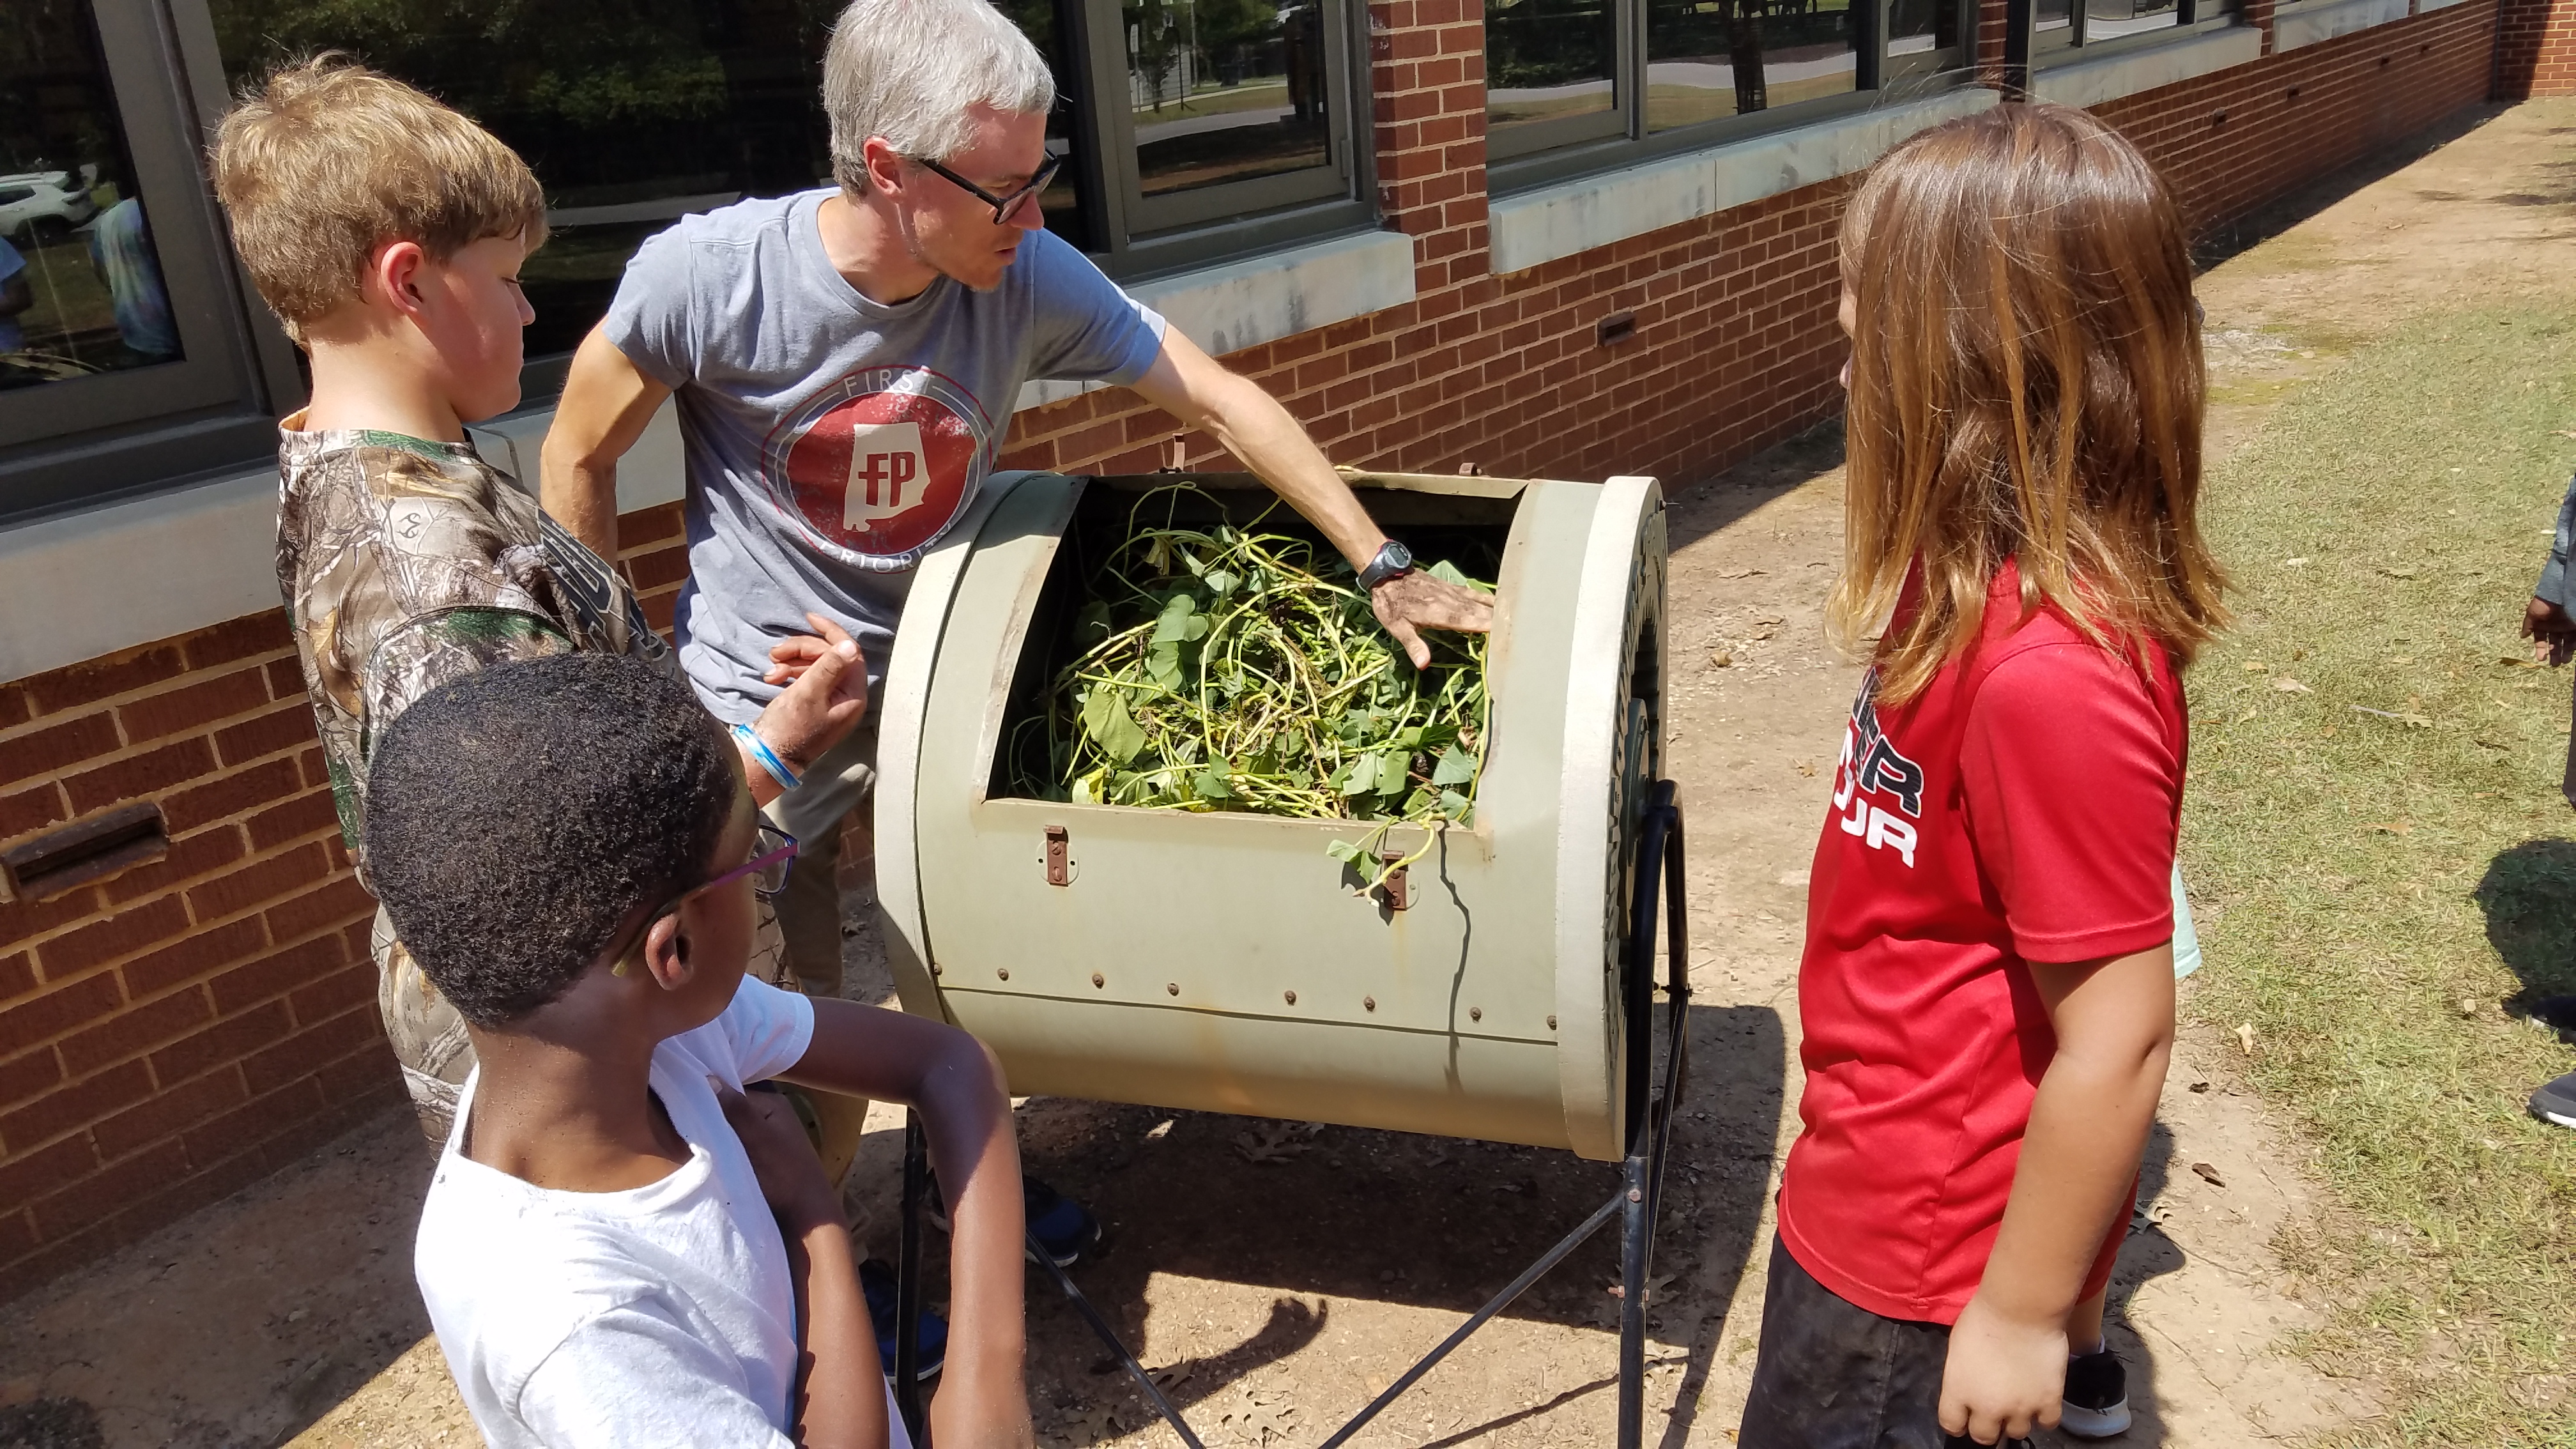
<point x="1275" y="1276"/>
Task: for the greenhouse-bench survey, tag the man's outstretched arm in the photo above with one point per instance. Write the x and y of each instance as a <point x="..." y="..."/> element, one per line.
<point x="1194" y="387"/>
<point x="606" y="403"/>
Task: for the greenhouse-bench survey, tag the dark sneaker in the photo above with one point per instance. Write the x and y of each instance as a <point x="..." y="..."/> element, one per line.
<point x="2556" y="1101"/>
<point x="876" y="1282"/>
<point x="2097" y="1396"/>
<point x="1065" y="1228"/>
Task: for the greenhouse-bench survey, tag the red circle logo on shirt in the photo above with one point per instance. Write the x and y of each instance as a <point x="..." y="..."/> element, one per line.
<point x="878" y="465"/>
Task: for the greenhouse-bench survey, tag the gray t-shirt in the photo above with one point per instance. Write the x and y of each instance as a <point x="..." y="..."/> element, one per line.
<point x="832" y="439"/>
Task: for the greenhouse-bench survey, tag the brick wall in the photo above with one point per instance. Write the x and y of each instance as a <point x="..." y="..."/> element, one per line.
<point x="175" y="1032"/>
<point x="2535" y="49"/>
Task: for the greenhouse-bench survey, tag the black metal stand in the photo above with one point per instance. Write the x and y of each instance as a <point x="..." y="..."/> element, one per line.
<point x="1649" y="1114"/>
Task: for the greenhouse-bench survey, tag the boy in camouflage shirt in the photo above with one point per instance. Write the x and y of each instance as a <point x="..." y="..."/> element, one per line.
<point x="386" y="232"/>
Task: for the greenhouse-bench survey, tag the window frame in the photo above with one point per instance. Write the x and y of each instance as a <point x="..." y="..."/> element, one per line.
<point x="2025" y="49"/>
<point x="73" y="444"/>
<point x="1134" y="236"/>
<point x="1919" y="74"/>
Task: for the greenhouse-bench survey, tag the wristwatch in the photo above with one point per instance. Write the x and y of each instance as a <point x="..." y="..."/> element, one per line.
<point x="1393" y="558"/>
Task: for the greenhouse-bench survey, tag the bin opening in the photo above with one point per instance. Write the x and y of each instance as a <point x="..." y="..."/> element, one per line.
<point x="1467" y="530"/>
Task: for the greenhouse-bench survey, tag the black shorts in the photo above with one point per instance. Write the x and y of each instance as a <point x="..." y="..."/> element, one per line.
<point x="1833" y="1375"/>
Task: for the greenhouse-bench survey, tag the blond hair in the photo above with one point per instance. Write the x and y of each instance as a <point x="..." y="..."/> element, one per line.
<point x="2026" y="385"/>
<point x="327" y="161"/>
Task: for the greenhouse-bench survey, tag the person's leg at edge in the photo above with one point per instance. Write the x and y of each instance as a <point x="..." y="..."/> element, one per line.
<point x="809" y="909"/>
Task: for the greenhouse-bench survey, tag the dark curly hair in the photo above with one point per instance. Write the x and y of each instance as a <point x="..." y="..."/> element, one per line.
<point x="517" y="817"/>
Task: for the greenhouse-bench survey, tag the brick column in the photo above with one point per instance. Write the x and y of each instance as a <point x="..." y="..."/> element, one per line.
<point x="2535" y="49"/>
<point x="1427" y="102"/>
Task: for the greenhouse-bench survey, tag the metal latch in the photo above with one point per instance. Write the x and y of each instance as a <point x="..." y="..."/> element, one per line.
<point x="1059" y="865"/>
<point x="1398" y="896"/>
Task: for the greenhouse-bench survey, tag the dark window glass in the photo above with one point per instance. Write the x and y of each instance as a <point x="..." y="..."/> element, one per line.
<point x="1711" y="58"/>
<point x="632" y="113"/>
<point x="2054" y="16"/>
<point x="2111" y="19"/>
<point x="1548" y="59"/>
<point x="1044" y="25"/>
<point x="80" y="281"/>
<point x="1225" y="90"/>
<point x="1917" y="26"/>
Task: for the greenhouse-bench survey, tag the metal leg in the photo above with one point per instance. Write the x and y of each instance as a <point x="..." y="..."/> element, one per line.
<point x="1099" y="1325"/>
<point x="1649" y="1112"/>
<point x="907" y="1292"/>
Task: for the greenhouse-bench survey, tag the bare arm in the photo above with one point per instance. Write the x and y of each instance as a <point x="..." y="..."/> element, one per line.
<point x="868" y="1051"/>
<point x="2006" y="1373"/>
<point x="1192" y="386"/>
<point x="606" y="403"/>
<point x="840" y="1403"/>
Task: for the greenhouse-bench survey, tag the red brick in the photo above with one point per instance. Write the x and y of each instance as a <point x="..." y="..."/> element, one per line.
<point x="25" y="1075"/>
<point x="317" y="770"/>
<point x="351" y="986"/>
<point x="80" y="684"/>
<point x="168" y="1114"/>
<point x="287" y="727"/>
<point x="647" y="526"/>
<point x="48" y="751"/>
<point x="74" y="1107"/>
<point x="26" y="920"/>
<point x="335" y="904"/>
<point x="232" y="795"/>
<point x="31" y="810"/>
<point x="122" y="934"/>
<point x="31" y="1175"/>
<point x="302" y="1054"/>
<point x="139" y="776"/>
<point x="660" y="569"/>
<point x="193" y="706"/>
<point x="221" y="1044"/>
<point x="286" y="680"/>
<point x="17" y="976"/>
<point x="309" y="814"/>
<point x="192" y="957"/>
<point x="366" y="1074"/>
<point x="276" y="973"/>
<point x="110" y="1190"/>
<point x="14" y="708"/>
<point x="17" y="1236"/>
<point x="135" y="1030"/>
<point x="258" y="883"/>
<point x="253" y="1123"/>
<point x="263" y="633"/>
<point x="190" y="856"/>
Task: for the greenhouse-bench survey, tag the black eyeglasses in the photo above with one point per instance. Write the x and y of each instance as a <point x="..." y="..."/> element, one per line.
<point x="773" y="852"/>
<point x="1004" y="207"/>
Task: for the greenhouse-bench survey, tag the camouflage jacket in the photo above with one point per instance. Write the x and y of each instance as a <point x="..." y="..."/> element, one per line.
<point x="406" y="564"/>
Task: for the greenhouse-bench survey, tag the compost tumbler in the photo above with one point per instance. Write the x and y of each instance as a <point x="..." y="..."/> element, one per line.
<point x="1225" y="961"/>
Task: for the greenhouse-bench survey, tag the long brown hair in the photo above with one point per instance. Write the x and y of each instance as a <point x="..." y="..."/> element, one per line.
<point x="2026" y="383"/>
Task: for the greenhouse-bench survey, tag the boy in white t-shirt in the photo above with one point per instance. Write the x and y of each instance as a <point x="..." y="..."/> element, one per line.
<point x="618" y="1248"/>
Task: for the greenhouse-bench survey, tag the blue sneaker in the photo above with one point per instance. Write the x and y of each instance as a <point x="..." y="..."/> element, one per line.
<point x="877" y="1284"/>
<point x="1065" y="1228"/>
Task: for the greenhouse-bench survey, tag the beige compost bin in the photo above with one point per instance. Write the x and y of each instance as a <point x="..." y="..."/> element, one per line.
<point x="1226" y="962"/>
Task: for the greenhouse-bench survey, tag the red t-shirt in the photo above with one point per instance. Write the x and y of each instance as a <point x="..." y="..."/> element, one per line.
<point x="2022" y="808"/>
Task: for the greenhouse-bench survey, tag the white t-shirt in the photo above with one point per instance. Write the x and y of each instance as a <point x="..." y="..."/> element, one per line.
<point x="660" y="1315"/>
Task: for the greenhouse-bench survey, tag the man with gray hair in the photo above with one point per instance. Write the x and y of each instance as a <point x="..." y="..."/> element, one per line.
<point x="846" y="362"/>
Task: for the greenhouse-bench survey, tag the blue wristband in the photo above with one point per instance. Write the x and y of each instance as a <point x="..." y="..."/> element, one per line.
<point x="768" y="757"/>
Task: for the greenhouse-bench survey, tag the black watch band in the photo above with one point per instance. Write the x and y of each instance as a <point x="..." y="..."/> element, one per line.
<point x="1392" y="558"/>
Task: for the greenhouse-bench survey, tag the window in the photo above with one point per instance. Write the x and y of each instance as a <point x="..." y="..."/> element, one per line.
<point x="1577" y="84"/>
<point x="2057" y="25"/>
<point x="116" y="304"/>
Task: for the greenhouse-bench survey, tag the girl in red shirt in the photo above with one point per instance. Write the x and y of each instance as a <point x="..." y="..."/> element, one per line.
<point x="1987" y="989"/>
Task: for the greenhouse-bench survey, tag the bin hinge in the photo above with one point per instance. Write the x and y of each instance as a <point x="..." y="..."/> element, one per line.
<point x="1059" y="867"/>
<point x="1398" y="896"/>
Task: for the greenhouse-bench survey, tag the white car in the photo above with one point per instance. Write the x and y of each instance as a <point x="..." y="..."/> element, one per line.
<point x="43" y="206"/>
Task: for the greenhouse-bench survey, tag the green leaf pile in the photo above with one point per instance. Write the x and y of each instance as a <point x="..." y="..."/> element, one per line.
<point x="1227" y="668"/>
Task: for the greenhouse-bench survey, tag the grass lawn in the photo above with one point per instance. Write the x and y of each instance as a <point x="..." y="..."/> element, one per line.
<point x="2380" y="887"/>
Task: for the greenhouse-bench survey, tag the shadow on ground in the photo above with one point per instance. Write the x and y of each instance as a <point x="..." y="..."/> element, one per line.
<point x="1328" y="1219"/>
<point x="2529" y="897"/>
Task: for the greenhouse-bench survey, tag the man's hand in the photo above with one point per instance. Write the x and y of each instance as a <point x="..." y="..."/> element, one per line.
<point x="1412" y="602"/>
<point x="2005" y="1379"/>
<point x="782" y="1157"/>
<point x="2551" y="632"/>
<point x="827" y="693"/>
